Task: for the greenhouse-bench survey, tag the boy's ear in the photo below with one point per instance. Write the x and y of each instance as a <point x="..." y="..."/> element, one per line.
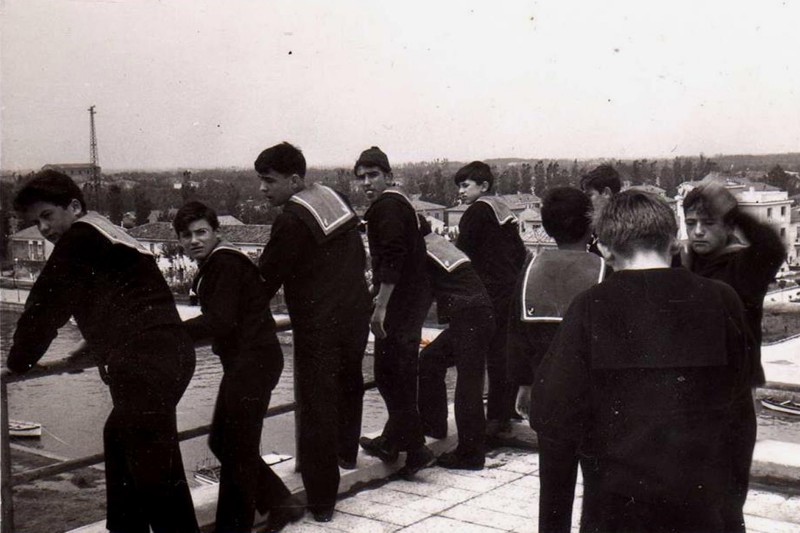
<point x="484" y="186"/>
<point x="607" y="192"/>
<point x="75" y="206"/>
<point x="675" y="247"/>
<point x="296" y="180"/>
<point x="608" y="254"/>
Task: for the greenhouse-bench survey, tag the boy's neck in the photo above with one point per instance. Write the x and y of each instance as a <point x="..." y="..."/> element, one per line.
<point x="642" y="260"/>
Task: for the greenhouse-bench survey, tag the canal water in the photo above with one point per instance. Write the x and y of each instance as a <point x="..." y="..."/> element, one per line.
<point x="72" y="408"/>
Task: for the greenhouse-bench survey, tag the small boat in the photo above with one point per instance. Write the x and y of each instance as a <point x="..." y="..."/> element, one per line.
<point x="209" y="474"/>
<point x="23" y="429"/>
<point x="788" y="406"/>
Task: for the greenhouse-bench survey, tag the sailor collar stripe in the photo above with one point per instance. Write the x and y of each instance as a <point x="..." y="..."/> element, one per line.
<point x="328" y="208"/>
<point x="502" y="212"/>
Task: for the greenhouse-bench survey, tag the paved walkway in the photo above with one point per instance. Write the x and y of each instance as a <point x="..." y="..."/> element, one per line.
<point x="502" y="497"/>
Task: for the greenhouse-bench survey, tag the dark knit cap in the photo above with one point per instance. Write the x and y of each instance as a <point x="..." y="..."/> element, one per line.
<point x="373" y="157"/>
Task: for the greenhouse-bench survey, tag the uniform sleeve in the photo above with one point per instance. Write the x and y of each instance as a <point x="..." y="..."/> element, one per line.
<point x="757" y="264"/>
<point x="561" y="402"/>
<point x="391" y="229"/>
<point x="288" y="239"/>
<point x="520" y="370"/>
<point x="59" y="287"/>
<point x="220" y="298"/>
<point x="740" y="343"/>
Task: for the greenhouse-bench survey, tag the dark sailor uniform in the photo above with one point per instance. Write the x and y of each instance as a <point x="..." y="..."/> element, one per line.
<point x="397" y="253"/>
<point x="545" y="290"/>
<point x="461" y="301"/>
<point x="488" y="234"/>
<point x="642" y="382"/>
<point x="749" y="270"/>
<point x="315" y="251"/>
<point x="112" y="287"/>
<point x="237" y="319"/>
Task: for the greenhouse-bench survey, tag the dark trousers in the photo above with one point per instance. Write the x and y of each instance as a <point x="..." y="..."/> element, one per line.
<point x="396" y="360"/>
<point x="145" y="481"/>
<point x="330" y="390"/>
<point x="558" y="471"/>
<point x="247" y="483"/>
<point x="743" y="441"/>
<point x="502" y="392"/>
<point x="463" y="344"/>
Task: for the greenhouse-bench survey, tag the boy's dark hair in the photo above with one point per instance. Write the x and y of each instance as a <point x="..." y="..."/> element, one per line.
<point x="373" y="157"/>
<point x="633" y="220"/>
<point x="477" y="171"/>
<point x="191" y="212"/>
<point x="566" y="213"/>
<point x="282" y="158"/>
<point x="49" y="186"/>
<point x="601" y="177"/>
<point x="697" y="200"/>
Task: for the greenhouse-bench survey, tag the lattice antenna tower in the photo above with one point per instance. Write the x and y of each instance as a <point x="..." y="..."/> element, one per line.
<point x="93" y="159"/>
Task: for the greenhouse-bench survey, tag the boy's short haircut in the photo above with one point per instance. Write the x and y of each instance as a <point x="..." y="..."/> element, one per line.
<point x="49" y="186"/>
<point x="283" y="158"/>
<point x="636" y="220"/>
<point x="373" y="157"/>
<point x="697" y="200"/>
<point x="191" y="212"/>
<point x="477" y="171"/>
<point x="601" y="177"/>
<point x="566" y="213"/>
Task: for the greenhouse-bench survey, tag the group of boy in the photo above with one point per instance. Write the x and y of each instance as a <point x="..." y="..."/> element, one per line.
<point x="642" y="378"/>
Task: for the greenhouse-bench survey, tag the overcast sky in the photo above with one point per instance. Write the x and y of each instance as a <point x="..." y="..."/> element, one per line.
<point x="203" y="84"/>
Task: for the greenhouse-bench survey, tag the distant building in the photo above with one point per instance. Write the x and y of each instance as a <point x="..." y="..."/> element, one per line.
<point x="160" y="237"/>
<point x="229" y="220"/>
<point x="518" y="203"/>
<point x="428" y="209"/>
<point x="28" y="250"/>
<point x="79" y="172"/>
<point x="537" y="240"/>
<point x="29" y="245"/>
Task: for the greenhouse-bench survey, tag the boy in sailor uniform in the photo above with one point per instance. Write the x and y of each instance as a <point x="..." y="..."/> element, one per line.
<point x="315" y="251"/>
<point x="397" y="253"/>
<point x="642" y="382"/>
<point x="111" y="285"/>
<point x="544" y="291"/>
<point x="488" y="234"/>
<point x="712" y="219"/>
<point x="236" y="319"/>
<point x="461" y="301"/>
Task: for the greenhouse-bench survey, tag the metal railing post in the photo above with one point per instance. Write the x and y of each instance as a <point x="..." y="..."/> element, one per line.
<point x="297" y="465"/>
<point x="7" y="525"/>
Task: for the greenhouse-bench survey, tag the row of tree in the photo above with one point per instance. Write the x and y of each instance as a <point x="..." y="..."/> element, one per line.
<point x="236" y="191"/>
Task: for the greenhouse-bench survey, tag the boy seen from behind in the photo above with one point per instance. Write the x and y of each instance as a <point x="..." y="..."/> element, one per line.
<point x="544" y="291"/>
<point x="642" y="380"/>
